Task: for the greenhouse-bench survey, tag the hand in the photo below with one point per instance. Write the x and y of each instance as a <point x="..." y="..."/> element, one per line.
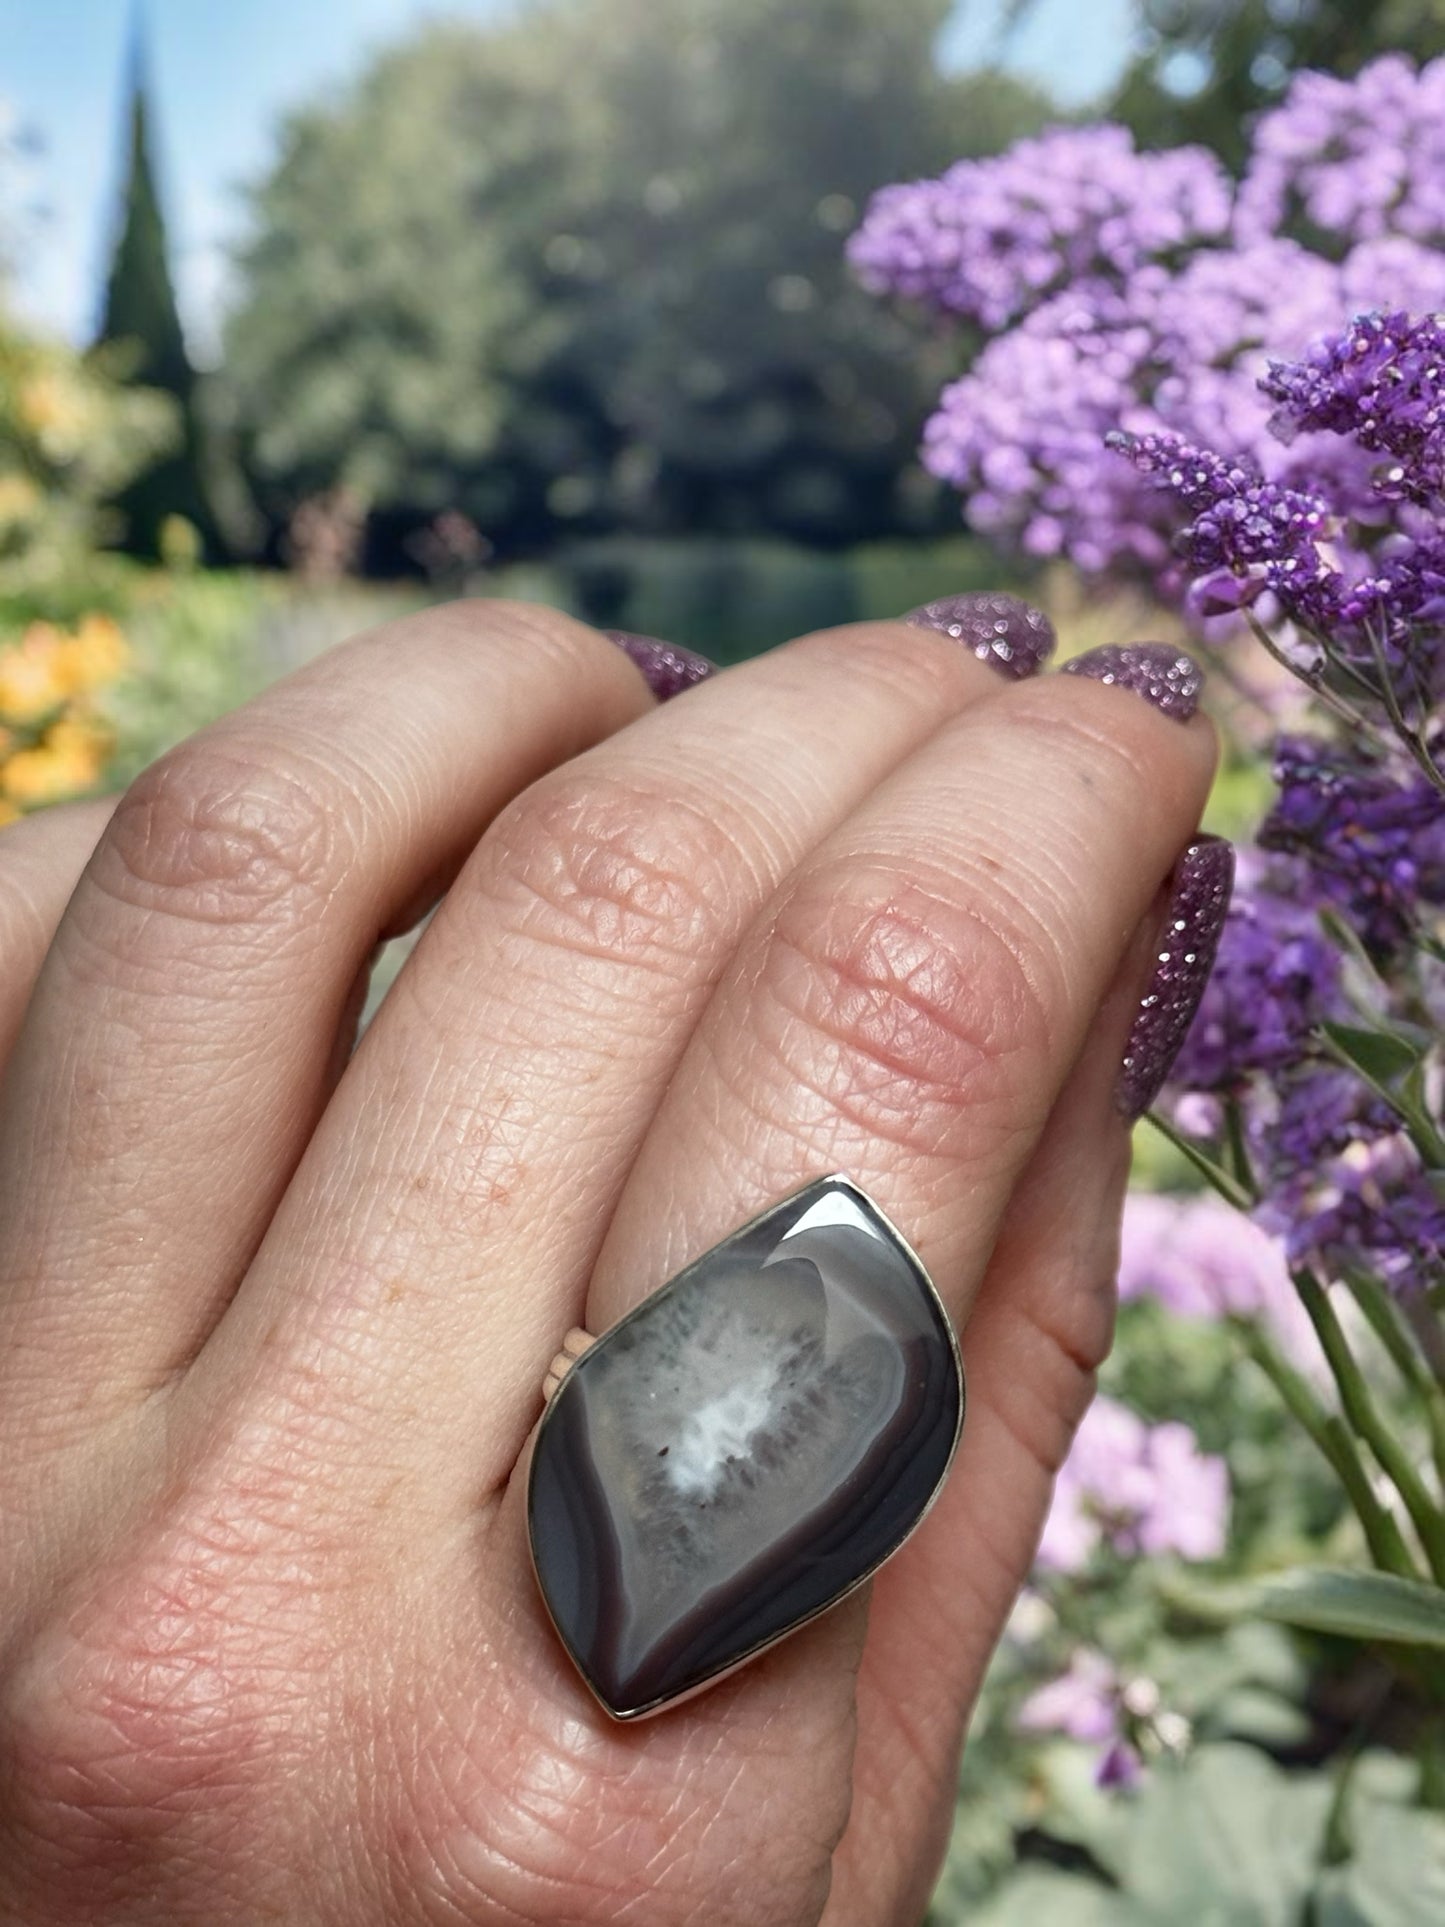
<point x="273" y="1323"/>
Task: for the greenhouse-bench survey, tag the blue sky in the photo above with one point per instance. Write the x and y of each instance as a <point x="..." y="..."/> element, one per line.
<point x="223" y="73"/>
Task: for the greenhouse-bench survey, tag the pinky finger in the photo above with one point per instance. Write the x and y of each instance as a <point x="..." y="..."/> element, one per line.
<point x="41" y="858"/>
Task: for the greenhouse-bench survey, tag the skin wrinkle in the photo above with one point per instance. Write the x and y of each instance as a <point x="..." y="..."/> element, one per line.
<point x="935" y="1029"/>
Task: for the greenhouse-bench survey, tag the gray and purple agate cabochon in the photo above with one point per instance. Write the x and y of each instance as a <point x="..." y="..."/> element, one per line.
<point x="743" y="1449"/>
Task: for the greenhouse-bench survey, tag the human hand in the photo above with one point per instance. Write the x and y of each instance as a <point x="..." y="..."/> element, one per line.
<point x="273" y="1323"/>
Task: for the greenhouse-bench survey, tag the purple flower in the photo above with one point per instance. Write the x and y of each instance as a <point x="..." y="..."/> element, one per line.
<point x="1371" y="840"/>
<point x="1137" y="1488"/>
<point x="1022" y="437"/>
<point x="1382" y="382"/>
<point x="1089" y="1703"/>
<point x="1352" y="159"/>
<point x="1121" y="1769"/>
<point x="993" y="238"/>
<point x="1122" y="293"/>
<point x="1248" y="535"/>
<point x="1344" y="1186"/>
<point x="1275" y="978"/>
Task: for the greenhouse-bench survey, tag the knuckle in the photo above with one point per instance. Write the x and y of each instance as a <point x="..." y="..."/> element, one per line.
<point x="221" y="839"/>
<point x="902" y="1003"/>
<point x="142" y="1731"/>
<point x="111" y="1747"/>
<point x="500" y="1832"/>
<point x="597" y="865"/>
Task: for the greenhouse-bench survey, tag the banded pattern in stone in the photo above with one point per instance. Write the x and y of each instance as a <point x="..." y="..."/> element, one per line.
<point x="742" y="1449"/>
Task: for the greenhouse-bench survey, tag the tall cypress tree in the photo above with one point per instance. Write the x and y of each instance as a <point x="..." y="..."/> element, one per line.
<point x="140" y="311"/>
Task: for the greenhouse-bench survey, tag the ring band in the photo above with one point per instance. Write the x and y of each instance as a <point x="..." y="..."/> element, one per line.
<point x="742" y="1450"/>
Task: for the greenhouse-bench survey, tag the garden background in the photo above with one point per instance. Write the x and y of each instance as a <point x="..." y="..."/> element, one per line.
<point x="555" y="300"/>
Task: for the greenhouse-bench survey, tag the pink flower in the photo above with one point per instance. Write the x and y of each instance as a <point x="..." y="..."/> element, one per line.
<point x="1082" y="1703"/>
<point x="1202" y="1259"/>
<point x="1137" y="1488"/>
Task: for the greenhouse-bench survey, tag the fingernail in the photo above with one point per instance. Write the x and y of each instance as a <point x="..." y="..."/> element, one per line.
<point x="1198" y="902"/>
<point x="1000" y="629"/>
<point x="668" y="669"/>
<point x="1157" y="671"/>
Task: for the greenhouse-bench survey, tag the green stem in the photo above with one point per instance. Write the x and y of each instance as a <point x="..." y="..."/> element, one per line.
<point x="1345" y="711"/>
<point x="1413" y="740"/>
<point x="1419" y="1128"/>
<point x="1368" y="1424"/>
<point x="1228" y="1187"/>
<point x="1239" y="1157"/>
<point x="1394" y="1335"/>
<point x="1332" y="1438"/>
<point x="1431" y="1789"/>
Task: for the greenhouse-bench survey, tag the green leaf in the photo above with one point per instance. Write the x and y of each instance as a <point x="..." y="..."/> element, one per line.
<point x="1369" y="1606"/>
<point x="1226" y="1839"/>
<point x="1076" y="1808"/>
<point x="1380" y="1054"/>
<point x="1397" y="1875"/>
<point x="1268" y="1719"/>
<point x="1039" y="1895"/>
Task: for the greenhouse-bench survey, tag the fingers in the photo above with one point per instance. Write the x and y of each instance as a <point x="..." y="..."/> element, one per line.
<point x="459" y="1185"/>
<point x="41" y="858"/>
<point x="179" y="1041"/>
<point x="910" y="1006"/>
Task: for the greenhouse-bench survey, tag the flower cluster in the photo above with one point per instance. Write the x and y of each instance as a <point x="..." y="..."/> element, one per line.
<point x="1342" y="1183"/>
<point x="993" y="237"/>
<point x="52" y="742"/>
<point x="1134" y="1488"/>
<point x="1276" y="978"/>
<point x="1353" y="159"/>
<point x="1200" y="1259"/>
<point x="1135" y="291"/>
<point x="1128" y="1489"/>
<point x="1237" y="398"/>
<point x="1380" y="381"/>
<point x="1370" y="838"/>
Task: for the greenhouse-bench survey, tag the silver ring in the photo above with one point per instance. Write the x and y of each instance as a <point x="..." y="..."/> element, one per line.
<point x="743" y="1450"/>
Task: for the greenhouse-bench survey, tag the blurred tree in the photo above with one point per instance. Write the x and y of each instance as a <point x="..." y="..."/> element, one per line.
<point x="141" y="331"/>
<point x="584" y="272"/>
<point x="1206" y="67"/>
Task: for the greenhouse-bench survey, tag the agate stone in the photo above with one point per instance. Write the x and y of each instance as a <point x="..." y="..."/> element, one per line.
<point x="743" y="1449"/>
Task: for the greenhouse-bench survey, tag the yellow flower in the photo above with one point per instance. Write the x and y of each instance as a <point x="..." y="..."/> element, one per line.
<point x="32" y="678"/>
<point x="8" y="813"/>
<point x="19" y="498"/>
<point x="54" y="409"/>
<point x="71" y="757"/>
<point x="48" y="666"/>
<point x="96" y="654"/>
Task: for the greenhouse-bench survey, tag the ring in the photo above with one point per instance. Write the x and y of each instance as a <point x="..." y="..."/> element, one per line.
<point x="741" y="1451"/>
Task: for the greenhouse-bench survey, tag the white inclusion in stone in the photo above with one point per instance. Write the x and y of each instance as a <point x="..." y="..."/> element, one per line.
<point x="719" y="1432"/>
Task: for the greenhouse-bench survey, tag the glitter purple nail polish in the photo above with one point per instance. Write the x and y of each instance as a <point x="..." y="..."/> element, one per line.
<point x="1157" y="671"/>
<point x="999" y="629"/>
<point x="1203" y="878"/>
<point x="668" y="669"/>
